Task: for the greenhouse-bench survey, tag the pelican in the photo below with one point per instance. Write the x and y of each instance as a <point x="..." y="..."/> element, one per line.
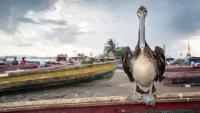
<point x="143" y="65"/>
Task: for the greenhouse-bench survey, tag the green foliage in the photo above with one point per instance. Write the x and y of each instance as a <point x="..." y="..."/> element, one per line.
<point x="104" y="55"/>
<point x="86" y="62"/>
<point x="80" y="54"/>
<point x="110" y="46"/>
<point x="118" y="51"/>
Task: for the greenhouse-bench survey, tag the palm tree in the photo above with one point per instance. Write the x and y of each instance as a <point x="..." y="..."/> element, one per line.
<point x="110" y="46"/>
<point x="118" y="51"/>
<point x="80" y="54"/>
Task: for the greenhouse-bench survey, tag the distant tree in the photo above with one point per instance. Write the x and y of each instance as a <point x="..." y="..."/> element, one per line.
<point x="118" y="51"/>
<point x="110" y="47"/>
<point x="104" y="55"/>
<point x="80" y="54"/>
<point x="86" y="62"/>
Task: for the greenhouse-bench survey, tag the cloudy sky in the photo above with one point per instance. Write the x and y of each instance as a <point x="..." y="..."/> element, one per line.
<point x="50" y="27"/>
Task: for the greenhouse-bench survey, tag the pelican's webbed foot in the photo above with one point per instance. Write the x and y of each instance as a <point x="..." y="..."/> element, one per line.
<point x="135" y="97"/>
<point x="149" y="99"/>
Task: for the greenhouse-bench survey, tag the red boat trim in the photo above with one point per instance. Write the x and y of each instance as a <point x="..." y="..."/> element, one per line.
<point x="182" y="68"/>
<point x="183" y="78"/>
<point x="160" y="107"/>
<point x="112" y="104"/>
<point x="189" y="74"/>
<point x="15" y="67"/>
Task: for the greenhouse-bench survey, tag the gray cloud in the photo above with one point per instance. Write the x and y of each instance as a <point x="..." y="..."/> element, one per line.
<point x="12" y="9"/>
<point x="67" y="34"/>
<point x="42" y="21"/>
<point x="171" y="20"/>
<point x="21" y="43"/>
<point x="185" y="17"/>
<point x="62" y="36"/>
<point x="180" y="16"/>
<point x="167" y="21"/>
<point x="27" y="20"/>
<point x="58" y="22"/>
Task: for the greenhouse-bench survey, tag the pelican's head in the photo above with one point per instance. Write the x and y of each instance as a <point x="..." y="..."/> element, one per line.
<point x="142" y="12"/>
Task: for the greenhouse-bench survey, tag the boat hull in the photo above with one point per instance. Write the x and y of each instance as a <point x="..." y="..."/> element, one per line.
<point x="167" y="102"/>
<point x="56" y="76"/>
<point x="183" y="78"/>
<point x="177" y="70"/>
<point x="27" y="85"/>
<point x="17" y="67"/>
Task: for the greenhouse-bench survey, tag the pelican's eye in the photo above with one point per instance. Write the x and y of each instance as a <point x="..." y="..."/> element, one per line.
<point x="145" y="11"/>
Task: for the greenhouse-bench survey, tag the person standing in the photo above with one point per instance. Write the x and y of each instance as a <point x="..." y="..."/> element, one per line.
<point x="15" y="62"/>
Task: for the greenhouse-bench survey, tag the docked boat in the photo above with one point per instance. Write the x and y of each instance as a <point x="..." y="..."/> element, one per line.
<point x="176" y="70"/>
<point x="167" y="102"/>
<point x="183" y="78"/>
<point x="4" y="68"/>
<point x="52" y="76"/>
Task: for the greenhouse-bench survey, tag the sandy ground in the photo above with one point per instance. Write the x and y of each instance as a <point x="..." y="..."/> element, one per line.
<point x="119" y="85"/>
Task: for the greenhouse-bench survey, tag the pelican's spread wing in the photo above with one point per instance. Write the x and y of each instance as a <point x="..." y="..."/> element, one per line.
<point x="126" y="61"/>
<point x="160" y="57"/>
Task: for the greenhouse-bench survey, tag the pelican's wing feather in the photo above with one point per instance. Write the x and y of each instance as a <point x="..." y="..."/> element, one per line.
<point x="126" y="61"/>
<point x="160" y="60"/>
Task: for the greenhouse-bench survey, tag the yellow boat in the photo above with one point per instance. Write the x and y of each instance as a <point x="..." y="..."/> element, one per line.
<point x="53" y="76"/>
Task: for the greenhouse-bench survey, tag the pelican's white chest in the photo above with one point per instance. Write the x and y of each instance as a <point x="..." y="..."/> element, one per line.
<point x="144" y="70"/>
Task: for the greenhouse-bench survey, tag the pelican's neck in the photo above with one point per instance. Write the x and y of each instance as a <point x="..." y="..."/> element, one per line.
<point x="142" y="31"/>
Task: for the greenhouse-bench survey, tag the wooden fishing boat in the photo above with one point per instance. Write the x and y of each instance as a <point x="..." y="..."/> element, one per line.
<point x="52" y="76"/>
<point x="167" y="102"/>
<point x="176" y="70"/>
<point x="4" y="68"/>
<point x="183" y="78"/>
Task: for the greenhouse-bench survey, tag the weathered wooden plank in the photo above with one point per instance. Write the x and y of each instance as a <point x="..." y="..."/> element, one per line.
<point x="178" y="95"/>
<point x="95" y="101"/>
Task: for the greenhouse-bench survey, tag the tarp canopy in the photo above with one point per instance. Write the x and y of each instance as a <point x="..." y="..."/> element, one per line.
<point x="62" y="55"/>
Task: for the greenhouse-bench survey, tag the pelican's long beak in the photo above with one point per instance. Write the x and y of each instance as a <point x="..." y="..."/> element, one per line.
<point x="142" y="31"/>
